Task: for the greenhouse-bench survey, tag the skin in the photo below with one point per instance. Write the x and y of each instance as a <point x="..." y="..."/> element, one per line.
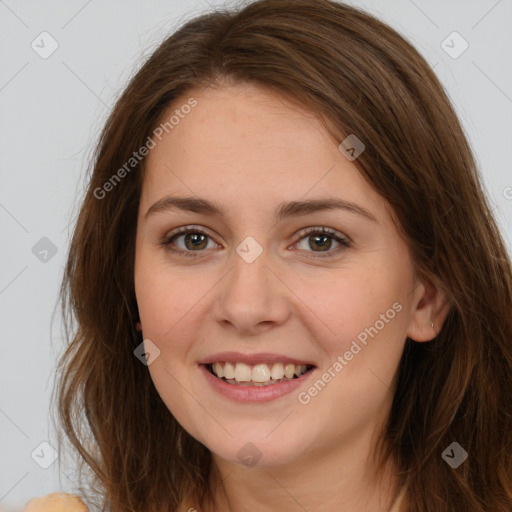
<point x="248" y="150"/>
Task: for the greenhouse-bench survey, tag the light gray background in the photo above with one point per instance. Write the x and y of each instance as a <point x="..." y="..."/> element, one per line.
<point x="52" y="110"/>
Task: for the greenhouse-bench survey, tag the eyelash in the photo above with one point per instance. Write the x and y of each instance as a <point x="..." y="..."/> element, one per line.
<point x="344" y="242"/>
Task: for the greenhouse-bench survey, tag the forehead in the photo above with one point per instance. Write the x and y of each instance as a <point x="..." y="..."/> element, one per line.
<point x="244" y="142"/>
<point x="240" y="121"/>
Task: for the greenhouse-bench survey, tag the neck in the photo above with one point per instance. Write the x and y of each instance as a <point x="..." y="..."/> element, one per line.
<point x="340" y="479"/>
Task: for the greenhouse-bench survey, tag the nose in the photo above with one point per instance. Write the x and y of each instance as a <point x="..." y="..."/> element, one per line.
<point x="252" y="297"/>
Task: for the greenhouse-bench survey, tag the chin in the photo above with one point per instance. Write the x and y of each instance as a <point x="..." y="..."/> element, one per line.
<point x="276" y="449"/>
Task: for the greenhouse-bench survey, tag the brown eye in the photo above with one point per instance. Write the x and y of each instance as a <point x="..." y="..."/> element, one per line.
<point x="323" y="242"/>
<point x="194" y="241"/>
<point x="320" y="240"/>
<point x="188" y="241"/>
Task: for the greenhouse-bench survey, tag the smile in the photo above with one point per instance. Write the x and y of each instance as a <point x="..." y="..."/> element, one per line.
<point x="257" y="375"/>
<point x="262" y="374"/>
<point x="255" y="378"/>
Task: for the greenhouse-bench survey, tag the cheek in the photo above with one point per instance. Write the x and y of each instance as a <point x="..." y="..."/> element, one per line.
<point x="165" y="295"/>
<point x="166" y="303"/>
<point x="173" y="304"/>
<point x="353" y="303"/>
<point x="360" y="325"/>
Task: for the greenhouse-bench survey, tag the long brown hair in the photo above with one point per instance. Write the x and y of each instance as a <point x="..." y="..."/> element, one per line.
<point x="362" y="78"/>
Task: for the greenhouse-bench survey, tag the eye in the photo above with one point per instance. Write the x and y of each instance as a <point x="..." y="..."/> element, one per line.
<point x="320" y="240"/>
<point x="189" y="240"/>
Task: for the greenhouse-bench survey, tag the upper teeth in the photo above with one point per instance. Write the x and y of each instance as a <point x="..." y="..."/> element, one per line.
<point x="242" y="372"/>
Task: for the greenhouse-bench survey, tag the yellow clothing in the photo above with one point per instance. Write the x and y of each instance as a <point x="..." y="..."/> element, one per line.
<point x="56" y="502"/>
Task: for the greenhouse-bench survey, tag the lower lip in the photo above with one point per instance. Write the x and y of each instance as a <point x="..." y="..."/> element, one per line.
<point x="253" y="393"/>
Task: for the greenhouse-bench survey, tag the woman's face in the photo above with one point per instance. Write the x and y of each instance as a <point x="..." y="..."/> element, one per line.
<point x="254" y="291"/>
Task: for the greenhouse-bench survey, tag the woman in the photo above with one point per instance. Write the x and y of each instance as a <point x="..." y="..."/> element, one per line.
<point x="220" y="362"/>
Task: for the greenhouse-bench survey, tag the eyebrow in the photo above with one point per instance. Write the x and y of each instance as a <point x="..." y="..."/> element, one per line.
<point x="283" y="211"/>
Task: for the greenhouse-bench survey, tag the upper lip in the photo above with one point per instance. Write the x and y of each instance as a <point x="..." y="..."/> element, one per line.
<point x="252" y="359"/>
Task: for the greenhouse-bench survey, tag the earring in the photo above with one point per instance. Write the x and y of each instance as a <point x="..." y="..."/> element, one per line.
<point x="432" y="324"/>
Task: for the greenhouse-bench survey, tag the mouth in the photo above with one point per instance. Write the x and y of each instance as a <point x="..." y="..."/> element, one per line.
<point x="257" y="375"/>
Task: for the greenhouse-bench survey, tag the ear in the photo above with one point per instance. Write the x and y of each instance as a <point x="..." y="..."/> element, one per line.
<point x="431" y="305"/>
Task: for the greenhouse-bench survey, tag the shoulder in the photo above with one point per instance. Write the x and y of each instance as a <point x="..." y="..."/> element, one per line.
<point x="56" y="502"/>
